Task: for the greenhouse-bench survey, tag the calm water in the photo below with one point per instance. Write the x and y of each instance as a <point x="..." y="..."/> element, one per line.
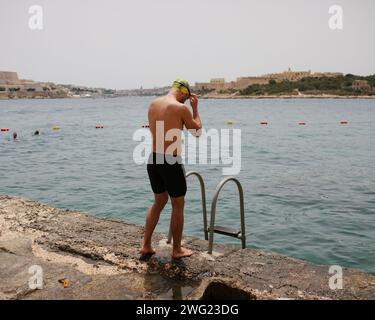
<point x="309" y="191"/>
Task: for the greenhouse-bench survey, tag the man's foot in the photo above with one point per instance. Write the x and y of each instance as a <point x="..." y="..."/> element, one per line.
<point x="183" y="253"/>
<point x="145" y="250"/>
<point x="146" y="253"/>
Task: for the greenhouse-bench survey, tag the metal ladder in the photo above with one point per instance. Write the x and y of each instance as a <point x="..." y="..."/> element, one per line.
<point x="239" y="234"/>
<point x="209" y="232"/>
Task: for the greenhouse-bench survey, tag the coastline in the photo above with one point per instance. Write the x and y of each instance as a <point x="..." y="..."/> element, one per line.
<point x="99" y="258"/>
<point x="207" y="97"/>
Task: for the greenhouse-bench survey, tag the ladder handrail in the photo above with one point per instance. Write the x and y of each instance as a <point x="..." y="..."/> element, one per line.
<point x="213" y="212"/>
<point x="204" y="206"/>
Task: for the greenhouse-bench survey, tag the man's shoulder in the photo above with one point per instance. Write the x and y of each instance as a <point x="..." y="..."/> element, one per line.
<point x="156" y="101"/>
<point x="168" y="104"/>
<point x="172" y="104"/>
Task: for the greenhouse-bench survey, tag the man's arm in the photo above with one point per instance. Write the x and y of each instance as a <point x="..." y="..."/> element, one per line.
<point x="192" y="122"/>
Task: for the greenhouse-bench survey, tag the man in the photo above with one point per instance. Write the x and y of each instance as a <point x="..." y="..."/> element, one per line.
<point x="165" y="170"/>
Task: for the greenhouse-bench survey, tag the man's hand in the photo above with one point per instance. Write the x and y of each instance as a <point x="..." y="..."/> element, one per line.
<point x="194" y="101"/>
<point x="192" y="121"/>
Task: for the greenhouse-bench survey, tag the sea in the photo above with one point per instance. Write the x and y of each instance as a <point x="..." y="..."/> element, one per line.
<point x="309" y="190"/>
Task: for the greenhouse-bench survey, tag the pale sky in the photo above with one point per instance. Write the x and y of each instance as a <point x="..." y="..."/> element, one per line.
<point x="124" y="44"/>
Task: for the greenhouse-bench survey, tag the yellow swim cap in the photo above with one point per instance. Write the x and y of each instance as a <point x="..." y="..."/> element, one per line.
<point x="182" y="85"/>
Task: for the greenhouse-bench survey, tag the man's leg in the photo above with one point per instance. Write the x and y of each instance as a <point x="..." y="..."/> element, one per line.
<point x="177" y="224"/>
<point x="152" y="220"/>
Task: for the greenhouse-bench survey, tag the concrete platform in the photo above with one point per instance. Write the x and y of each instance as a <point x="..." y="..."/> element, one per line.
<point x="99" y="259"/>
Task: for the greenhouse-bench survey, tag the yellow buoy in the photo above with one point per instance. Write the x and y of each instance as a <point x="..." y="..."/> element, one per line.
<point x="229" y="122"/>
<point x="56" y="128"/>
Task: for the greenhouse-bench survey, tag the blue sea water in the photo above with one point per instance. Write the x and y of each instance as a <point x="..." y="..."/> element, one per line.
<point x="309" y="190"/>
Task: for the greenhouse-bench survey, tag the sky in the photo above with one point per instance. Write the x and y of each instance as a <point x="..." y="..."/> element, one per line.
<point x="125" y="44"/>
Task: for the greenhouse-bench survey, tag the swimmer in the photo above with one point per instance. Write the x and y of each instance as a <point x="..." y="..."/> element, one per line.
<point x="168" y="180"/>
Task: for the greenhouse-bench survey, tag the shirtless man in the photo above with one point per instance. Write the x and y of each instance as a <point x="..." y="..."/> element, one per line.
<point x="165" y="170"/>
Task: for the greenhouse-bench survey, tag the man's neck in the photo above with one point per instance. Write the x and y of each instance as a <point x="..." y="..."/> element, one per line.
<point x="173" y="94"/>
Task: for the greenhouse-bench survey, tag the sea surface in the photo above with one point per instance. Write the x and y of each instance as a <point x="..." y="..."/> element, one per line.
<point x="309" y="190"/>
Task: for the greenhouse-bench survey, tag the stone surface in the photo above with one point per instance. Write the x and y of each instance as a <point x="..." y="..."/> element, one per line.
<point x="100" y="259"/>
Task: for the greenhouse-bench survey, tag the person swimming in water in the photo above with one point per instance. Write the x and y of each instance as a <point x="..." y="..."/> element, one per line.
<point x="15" y="136"/>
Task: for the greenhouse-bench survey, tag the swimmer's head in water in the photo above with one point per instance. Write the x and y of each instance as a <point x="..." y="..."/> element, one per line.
<point x="183" y="86"/>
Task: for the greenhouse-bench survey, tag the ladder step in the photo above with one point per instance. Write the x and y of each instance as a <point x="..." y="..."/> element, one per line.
<point x="227" y="231"/>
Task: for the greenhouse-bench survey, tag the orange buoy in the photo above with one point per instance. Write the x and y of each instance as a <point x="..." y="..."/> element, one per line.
<point x="302" y="123"/>
<point x="4" y="129"/>
<point x="99" y="126"/>
<point x="344" y="122"/>
<point x="264" y="123"/>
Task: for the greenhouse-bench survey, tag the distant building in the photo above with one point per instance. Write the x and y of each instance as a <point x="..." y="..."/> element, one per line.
<point x="361" y="85"/>
<point x="288" y="75"/>
<point x="217" y="81"/>
<point x="7" y="77"/>
<point x="13" y="87"/>
<point x="326" y="74"/>
<point x="33" y="87"/>
<point x="143" y="92"/>
<point x="243" y="82"/>
<point x="215" y="84"/>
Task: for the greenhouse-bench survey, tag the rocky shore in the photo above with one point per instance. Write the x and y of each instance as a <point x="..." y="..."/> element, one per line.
<point x="86" y="257"/>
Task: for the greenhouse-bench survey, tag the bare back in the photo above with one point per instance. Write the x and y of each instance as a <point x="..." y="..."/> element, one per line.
<point x="168" y="113"/>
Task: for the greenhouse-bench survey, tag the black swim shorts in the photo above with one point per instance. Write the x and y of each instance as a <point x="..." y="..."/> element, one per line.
<point x="167" y="173"/>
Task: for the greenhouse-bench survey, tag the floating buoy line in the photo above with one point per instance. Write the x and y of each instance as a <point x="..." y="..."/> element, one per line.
<point x="229" y="123"/>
